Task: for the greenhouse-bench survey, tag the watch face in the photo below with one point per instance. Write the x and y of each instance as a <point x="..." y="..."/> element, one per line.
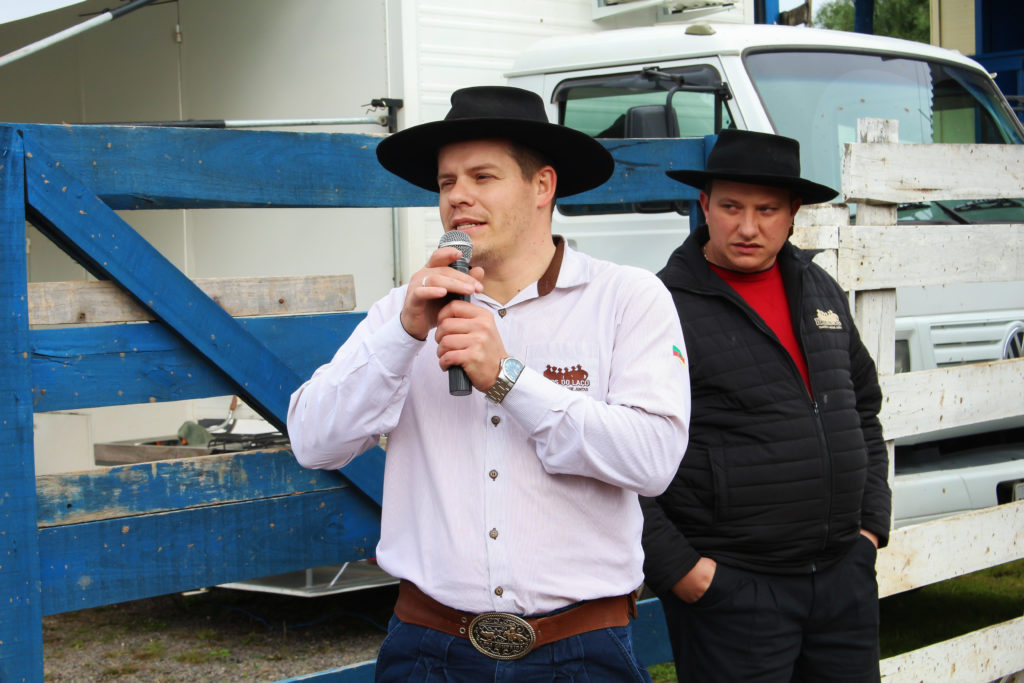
<point x="512" y="367"/>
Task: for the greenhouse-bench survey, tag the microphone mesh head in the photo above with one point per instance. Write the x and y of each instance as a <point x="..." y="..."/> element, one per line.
<point x="459" y="240"/>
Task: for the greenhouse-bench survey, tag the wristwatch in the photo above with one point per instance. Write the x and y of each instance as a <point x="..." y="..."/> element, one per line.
<point x="508" y="372"/>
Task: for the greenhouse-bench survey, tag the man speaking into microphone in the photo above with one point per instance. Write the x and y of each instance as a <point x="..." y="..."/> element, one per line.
<point x="510" y="514"/>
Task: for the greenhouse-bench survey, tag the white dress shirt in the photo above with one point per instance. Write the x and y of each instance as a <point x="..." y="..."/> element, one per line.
<point x="528" y="505"/>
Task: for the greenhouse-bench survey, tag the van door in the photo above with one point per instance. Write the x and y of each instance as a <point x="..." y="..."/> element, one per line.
<point x="681" y="100"/>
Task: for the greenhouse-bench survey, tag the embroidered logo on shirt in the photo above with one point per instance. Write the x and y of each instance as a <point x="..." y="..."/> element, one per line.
<point x="575" y="378"/>
<point x="827" y="320"/>
<point x="678" y="354"/>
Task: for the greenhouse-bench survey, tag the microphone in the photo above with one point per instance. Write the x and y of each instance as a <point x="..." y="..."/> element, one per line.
<point x="458" y="381"/>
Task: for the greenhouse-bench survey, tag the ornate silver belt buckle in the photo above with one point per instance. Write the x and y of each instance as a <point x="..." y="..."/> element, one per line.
<point x="501" y="636"/>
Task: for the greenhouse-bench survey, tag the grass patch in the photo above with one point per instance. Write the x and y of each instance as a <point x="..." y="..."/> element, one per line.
<point x="151" y="624"/>
<point x="662" y="673"/>
<point x="209" y="634"/>
<point x="952" y="608"/>
<point x="203" y="656"/>
<point x="252" y="639"/>
<point x="153" y="650"/>
<point x="122" y="670"/>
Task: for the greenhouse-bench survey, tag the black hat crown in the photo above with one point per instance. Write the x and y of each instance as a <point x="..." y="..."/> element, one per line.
<point x="498" y="112"/>
<point x="746" y="156"/>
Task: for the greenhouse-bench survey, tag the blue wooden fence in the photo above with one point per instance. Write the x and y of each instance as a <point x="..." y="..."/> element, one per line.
<point x="124" y="533"/>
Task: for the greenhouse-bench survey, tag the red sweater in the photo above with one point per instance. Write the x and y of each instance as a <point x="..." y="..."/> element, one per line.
<point x="765" y="293"/>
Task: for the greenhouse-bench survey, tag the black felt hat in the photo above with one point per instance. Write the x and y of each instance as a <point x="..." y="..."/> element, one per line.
<point x="484" y="112"/>
<point x="745" y="156"/>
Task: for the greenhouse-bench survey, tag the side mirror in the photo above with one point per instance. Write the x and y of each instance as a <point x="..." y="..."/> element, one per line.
<point x="651" y="121"/>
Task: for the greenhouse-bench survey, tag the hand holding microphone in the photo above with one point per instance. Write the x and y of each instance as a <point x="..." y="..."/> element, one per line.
<point x="458" y="382"/>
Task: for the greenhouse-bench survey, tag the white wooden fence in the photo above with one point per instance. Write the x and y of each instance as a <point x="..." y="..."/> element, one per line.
<point x="871" y="259"/>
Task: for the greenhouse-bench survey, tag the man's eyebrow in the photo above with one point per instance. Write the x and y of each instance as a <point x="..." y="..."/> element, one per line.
<point x="486" y="166"/>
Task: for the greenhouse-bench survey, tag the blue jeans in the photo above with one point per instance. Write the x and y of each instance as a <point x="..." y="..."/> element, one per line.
<point x="415" y="653"/>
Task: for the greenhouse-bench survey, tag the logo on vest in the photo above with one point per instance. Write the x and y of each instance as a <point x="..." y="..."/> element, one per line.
<point x="827" y="320"/>
<point x="575" y="378"/>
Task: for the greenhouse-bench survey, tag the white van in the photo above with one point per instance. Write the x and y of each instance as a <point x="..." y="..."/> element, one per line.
<point x="812" y="85"/>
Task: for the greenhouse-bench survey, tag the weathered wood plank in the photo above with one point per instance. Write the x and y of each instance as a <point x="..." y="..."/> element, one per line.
<point x="167" y="485"/>
<point x="932" y="400"/>
<point x="99" y="563"/>
<point x="927" y="553"/>
<point x="875" y="316"/>
<point x="988" y="654"/>
<point x="68" y="303"/>
<point x="640" y="167"/>
<point x="650" y="636"/>
<point x="817" y="228"/>
<point x="108" y="365"/>
<point x="877" y="257"/>
<point x="363" y="672"/>
<point x="100" y="240"/>
<point x="21" y="631"/>
<point x="877" y="130"/>
<point x="898" y="173"/>
<point x="177" y="168"/>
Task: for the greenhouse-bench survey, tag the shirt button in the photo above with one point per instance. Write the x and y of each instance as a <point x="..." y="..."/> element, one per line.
<point x="493" y="533"/>
<point x="498" y="591"/>
<point x="502" y="312"/>
<point x="495" y="420"/>
<point x="493" y="474"/>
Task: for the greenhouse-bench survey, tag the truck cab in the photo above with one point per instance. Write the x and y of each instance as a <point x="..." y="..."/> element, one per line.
<point x="693" y="80"/>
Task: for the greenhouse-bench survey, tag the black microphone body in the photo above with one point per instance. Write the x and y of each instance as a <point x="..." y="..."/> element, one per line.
<point x="458" y="381"/>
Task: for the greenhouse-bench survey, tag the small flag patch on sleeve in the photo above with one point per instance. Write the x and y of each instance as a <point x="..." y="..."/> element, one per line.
<point x="678" y="354"/>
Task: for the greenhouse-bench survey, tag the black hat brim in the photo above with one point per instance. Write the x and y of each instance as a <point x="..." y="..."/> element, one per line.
<point x="581" y="162"/>
<point x="808" y="191"/>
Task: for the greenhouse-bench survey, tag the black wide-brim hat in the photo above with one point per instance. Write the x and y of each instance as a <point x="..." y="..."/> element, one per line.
<point x="493" y="112"/>
<point x="745" y="156"/>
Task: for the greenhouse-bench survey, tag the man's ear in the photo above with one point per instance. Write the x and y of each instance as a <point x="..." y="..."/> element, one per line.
<point x="546" y="180"/>
<point x="794" y="206"/>
<point x="705" y="202"/>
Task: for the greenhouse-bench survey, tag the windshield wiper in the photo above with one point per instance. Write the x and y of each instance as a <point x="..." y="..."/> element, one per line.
<point x="914" y="206"/>
<point x="983" y="204"/>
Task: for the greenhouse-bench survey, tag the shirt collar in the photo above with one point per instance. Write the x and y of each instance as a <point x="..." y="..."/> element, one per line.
<point x="567" y="268"/>
<point x="546" y="283"/>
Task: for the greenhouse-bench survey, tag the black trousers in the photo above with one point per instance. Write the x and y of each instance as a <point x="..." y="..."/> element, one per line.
<point x="750" y="626"/>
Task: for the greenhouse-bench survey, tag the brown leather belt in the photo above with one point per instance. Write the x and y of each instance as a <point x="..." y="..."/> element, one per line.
<point x="500" y="635"/>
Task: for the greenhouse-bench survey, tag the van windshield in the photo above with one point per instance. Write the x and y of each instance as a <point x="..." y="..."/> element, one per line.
<point x="817" y="97"/>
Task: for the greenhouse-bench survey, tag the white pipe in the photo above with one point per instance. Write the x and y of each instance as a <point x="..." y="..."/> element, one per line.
<point x="55" y="38"/>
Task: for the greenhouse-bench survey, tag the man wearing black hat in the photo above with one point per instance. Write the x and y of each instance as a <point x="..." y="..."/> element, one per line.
<point x="763" y="547"/>
<point x="510" y="514"/>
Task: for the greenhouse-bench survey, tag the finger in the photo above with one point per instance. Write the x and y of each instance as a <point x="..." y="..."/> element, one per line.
<point x="456" y="327"/>
<point x="428" y="287"/>
<point x="444" y="257"/>
<point x="456" y="308"/>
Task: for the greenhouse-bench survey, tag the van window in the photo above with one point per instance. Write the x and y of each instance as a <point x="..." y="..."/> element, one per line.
<point x="600" y="106"/>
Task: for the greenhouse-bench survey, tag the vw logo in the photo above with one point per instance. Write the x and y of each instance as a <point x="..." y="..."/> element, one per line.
<point x="1013" y="344"/>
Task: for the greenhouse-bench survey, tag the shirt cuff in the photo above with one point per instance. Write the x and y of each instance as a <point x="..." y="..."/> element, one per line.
<point x="532" y="398"/>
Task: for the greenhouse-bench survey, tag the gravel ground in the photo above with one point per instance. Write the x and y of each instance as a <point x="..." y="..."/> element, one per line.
<point x="217" y="635"/>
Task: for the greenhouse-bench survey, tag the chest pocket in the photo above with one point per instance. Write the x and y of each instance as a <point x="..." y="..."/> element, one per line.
<point x="574" y="365"/>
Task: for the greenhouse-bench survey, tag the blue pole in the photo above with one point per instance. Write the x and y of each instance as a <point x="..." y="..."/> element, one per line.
<point x="864" y="16"/>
